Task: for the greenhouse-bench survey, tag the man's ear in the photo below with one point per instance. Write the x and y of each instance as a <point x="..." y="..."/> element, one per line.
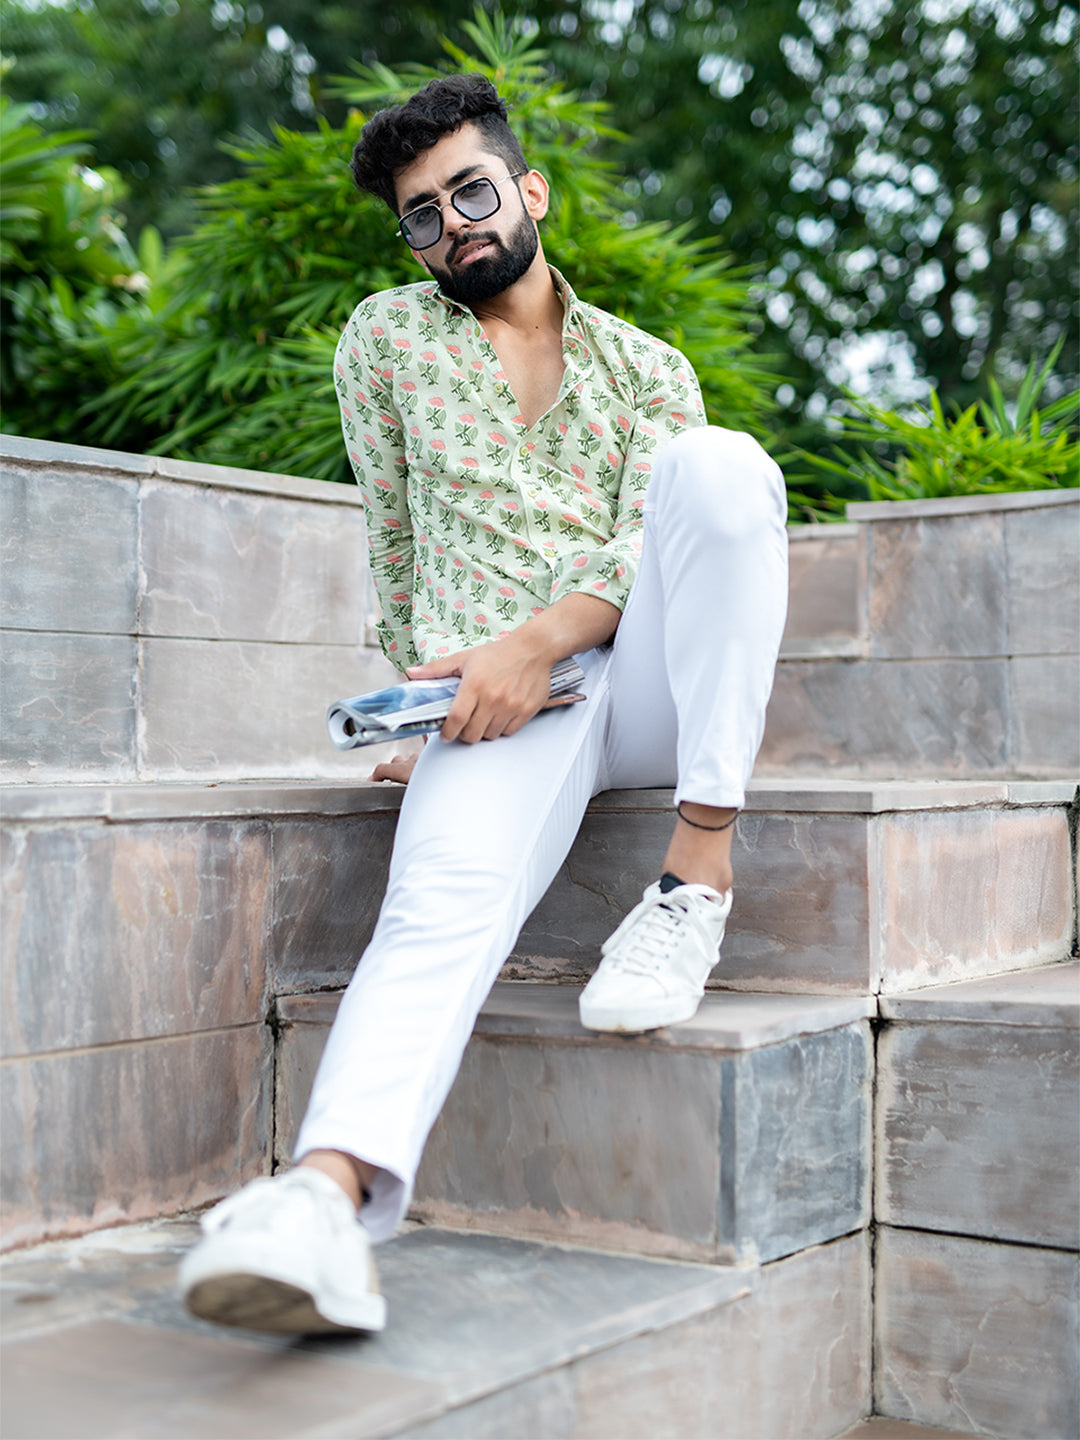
<point x="535" y="194"/>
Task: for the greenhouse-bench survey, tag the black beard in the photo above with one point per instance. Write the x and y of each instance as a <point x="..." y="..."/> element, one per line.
<point x="485" y="278"/>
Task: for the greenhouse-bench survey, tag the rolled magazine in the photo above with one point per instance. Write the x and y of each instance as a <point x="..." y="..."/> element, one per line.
<point x="417" y="707"/>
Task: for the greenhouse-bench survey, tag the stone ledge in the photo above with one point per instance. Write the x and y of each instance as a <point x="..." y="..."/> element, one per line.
<point x="734" y="1021"/>
<point x="864" y="510"/>
<point x="164" y="800"/>
<point x="1048" y="998"/>
<point x="53" y="455"/>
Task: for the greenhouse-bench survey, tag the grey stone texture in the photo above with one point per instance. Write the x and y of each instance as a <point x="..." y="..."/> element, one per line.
<point x="827" y="584"/>
<point x="125" y="1132"/>
<point x="705" y="1141"/>
<point x="978" y="1109"/>
<point x="163" y="620"/>
<point x="976" y="1335"/>
<point x="69" y="706"/>
<point x="227" y="708"/>
<point x="68" y="551"/>
<point x="116" y="933"/>
<point x="488" y="1337"/>
<point x="971" y="648"/>
<point x="229" y="565"/>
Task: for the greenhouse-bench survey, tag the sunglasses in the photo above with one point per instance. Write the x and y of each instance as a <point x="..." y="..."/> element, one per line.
<point x="476" y="200"/>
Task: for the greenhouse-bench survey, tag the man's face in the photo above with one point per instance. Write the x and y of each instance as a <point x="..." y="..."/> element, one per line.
<point x="473" y="260"/>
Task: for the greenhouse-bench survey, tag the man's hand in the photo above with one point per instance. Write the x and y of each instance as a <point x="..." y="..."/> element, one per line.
<point x="398" y="767"/>
<point x="504" y="683"/>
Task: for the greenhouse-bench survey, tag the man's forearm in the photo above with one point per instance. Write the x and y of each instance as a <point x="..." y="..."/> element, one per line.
<point x="576" y="622"/>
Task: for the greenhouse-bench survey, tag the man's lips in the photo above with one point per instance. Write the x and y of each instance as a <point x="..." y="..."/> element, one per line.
<point x="472" y="250"/>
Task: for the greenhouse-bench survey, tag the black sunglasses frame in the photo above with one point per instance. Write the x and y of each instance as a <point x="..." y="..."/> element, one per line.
<point x="451" y="196"/>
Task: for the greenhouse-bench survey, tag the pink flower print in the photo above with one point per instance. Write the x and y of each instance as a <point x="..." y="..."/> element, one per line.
<point x="427" y="355"/>
<point x="571" y="518"/>
<point x="400" y="596"/>
<point x="387" y="374"/>
<point x="580" y="485"/>
<point x="477" y="364"/>
<point x="677" y="418"/>
<point x="487" y="495"/>
<point x="414" y="431"/>
<point x="478" y="574"/>
<point x="644" y="467"/>
<point x="620" y="571"/>
<point x="393" y="559"/>
<point x="399" y="304"/>
<point x="458" y="562"/>
<point x="599" y="584"/>
<point x="537" y="610"/>
<point x="506" y="590"/>
<point x="562" y="429"/>
<point x="613" y="459"/>
<point x="467" y="419"/>
<point x="355" y="352"/>
<point x="481" y="620"/>
<point x="512" y="506"/>
<point x="577" y="472"/>
<point x="439" y="550"/>
<point x="407" y="385"/>
<point x="519" y="542"/>
<point x="457" y="484"/>
<point x="340" y="370"/>
<point x="523" y="574"/>
<point x="623" y="423"/>
<point x="503" y="634"/>
<point x="580" y="561"/>
<point x="595" y="429"/>
<point x="436" y="402"/>
<point x="440" y="590"/>
<point x="377" y="332"/>
<point x="421" y="539"/>
<point x="443" y="650"/>
<point x="471" y="462"/>
<point x="459" y="604"/>
<point x="382" y="485"/>
<point x="402" y="344"/>
<point x="496" y="438"/>
<point x="392" y="646"/>
<point x="453" y="350"/>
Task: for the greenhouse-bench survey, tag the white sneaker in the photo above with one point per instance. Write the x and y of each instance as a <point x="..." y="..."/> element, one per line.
<point x="285" y="1254"/>
<point x="655" y="965"/>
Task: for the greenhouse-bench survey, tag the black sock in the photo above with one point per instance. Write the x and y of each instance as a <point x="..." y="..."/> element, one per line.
<point x="668" y="881"/>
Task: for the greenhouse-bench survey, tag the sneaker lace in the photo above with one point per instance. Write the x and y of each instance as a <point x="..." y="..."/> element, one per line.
<point x="266" y="1196"/>
<point x="652" y="931"/>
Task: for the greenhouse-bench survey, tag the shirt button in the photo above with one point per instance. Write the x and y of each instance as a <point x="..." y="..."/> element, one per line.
<point x="524" y="452"/>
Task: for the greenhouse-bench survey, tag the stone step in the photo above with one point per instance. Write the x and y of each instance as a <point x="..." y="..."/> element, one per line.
<point x="954" y="649"/>
<point x="977" y="1198"/>
<point x="149" y="929"/>
<point x="740" y="1136"/>
<point x="488" y="1337"/>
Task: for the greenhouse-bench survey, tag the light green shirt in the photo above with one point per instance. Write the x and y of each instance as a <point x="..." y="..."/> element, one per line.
<point x="476" y="521"/>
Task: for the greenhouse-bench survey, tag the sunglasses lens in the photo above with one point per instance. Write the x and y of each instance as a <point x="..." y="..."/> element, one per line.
<point x="476" y="200"/>
<point x="422" y="227"/>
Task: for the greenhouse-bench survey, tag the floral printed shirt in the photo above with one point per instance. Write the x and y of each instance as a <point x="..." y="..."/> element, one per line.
<point x="475" y="521"/>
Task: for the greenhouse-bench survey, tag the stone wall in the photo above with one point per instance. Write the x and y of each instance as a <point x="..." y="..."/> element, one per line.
<point x="163" y="619"/>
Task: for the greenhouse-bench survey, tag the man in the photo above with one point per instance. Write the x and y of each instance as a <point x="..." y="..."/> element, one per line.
<point x="539" y="483"/>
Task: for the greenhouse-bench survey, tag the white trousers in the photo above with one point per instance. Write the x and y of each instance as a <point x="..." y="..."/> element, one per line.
<point x="678" y="699"/>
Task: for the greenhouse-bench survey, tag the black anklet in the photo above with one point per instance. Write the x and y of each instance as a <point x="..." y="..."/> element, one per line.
<point x="697" y="824"/>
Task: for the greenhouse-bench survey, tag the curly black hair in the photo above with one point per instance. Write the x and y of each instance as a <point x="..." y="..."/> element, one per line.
<point x="392" y="139"/>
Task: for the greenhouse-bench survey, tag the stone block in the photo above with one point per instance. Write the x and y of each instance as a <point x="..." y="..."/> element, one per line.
<point x="225" y="564"/>
<point x="946" y="718"/>
<point x="1048" y="998"/>
<point x="694" y="1152"/>
<point x="800" y="916"/>
<point x="976" y="1335"/>
<point x="329" y="879"/>
<point x="937" y="588"/>
<point x="1045" y="692"/>
<point x="123" y="932"/>
<point x="826" y="580"/>
<point x="791" y="1358"/>
<point x="1042" y="549"/>
<point x="232" y="708"/>
<point x="978" y="1131"/>
<point x="971" y="892"/>
<point x="69" y="706"/>
<point x="124" y="1132"/>
<point x="68" y="551"/>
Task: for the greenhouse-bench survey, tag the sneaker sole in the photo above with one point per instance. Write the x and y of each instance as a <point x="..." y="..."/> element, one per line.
<point x="259" y="1302"/>
<point x="635" y="1022"/>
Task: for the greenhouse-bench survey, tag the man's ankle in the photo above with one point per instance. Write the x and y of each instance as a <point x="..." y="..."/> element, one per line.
<point x="353" y="1175"/>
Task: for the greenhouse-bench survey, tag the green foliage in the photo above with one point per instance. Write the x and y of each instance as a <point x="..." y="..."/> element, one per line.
<point x="69" y="277"/>
<point x="989" y="447"/>
<point x="236" y="367"/>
